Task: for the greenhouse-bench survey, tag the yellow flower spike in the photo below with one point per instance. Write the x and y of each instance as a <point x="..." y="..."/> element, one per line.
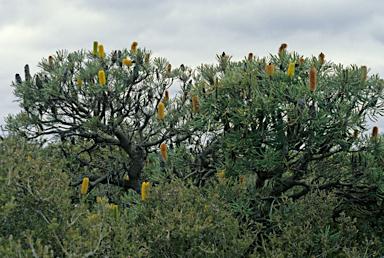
<point x="145" y="190"/>
<point x="95" y="47"/>
<point x="375" y="131"/>
<point x="291" y="69"/>
<point x="102" y="77"/>
<point x="101" y="51"/>
<point x="84" y="186"/>
<point x="127" y="62"/>
<point x="133" y="47"/>
<point x="79" y="82"/>
<point x="321" y="58"/>
<point x="161" y="111"/>
<point x="195" y="102"/>
<point x="147" y="58"/>
<point x="269" y="69"/>
<point x="312" y="78"/>
<point x="364" y="70"/>
<point x="163" y="151"/>
<point x="127" y="178"/>
<point x="116" y="212"/>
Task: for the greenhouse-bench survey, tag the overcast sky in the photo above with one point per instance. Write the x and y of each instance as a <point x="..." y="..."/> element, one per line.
<point x="189" y="32"/>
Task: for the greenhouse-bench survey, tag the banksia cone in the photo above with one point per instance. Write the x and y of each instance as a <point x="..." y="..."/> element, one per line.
<point x="145" y="190"/>
<point x="127" y="62"/>
<point x="95" y="46"/>
<point x="250" y="56"/>
<point x="269" y="69"/>
<point x="375" y="131"/>
<point x="147" y="58"/>
<point x="161" y="111"/>
<point x="169" y="68"/>
<point x="241" y="180"/>
<point x="127" y="177"/>
<point x="79" y="82"/>
<point x="364" y="71"/>
<point x="312" y="78"/>
<point x="146" y="163"/>
<point x="321" y="58"/>
<point x="282" y="48"/>
<point x="50" y="61"/>
<point x="84" y="186"/>
<point x="291" y="69"/>
<point x="102" y="77"/>
<point x="301" y="61"/>
<point x="195" y="102"/>
<point x="133" y="47"/>
<point x="101" y="51"/>
<point x="163" y="151"/>
<point x="355" y="133"/>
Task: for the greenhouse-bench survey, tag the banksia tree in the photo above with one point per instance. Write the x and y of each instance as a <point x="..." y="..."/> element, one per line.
<point x="97" y="105"/>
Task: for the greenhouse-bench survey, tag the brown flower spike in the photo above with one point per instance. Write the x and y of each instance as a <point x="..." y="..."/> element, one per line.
<point x="321" y="58"/>
<point x="312" y="78"/>
<point x="375" y="131"/>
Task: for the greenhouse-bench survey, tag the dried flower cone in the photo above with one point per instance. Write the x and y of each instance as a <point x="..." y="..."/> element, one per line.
<point x="250" y="56"/>
<point x="169" y="68"/>
<point x="161" y="111"/>
<point x="321" y="58"/>
<point x="269" y="69"/>
<point x="163" y="151"/>
<point x="84" y="186"/>
<point x="195" y="103"/>
<point x="282" y="48"/>
<point x="375" y="131"/>
<point x="312" y="78"/>
<point x="364" y="71"/>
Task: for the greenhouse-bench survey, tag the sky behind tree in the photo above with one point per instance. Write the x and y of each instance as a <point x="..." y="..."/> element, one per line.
<point x="189" y="32"/>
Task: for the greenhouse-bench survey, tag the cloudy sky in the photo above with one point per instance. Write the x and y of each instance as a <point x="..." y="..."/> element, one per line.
<point x="189" y="32"/>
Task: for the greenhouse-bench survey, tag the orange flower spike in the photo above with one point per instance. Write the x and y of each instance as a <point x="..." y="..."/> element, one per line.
<point x="84" y="186"/>
<point x="301" y="61"/>
<point x="101" y="51"/>
<point x="195" y="102"/>
<point x="282" y="48"/>
<point x="375" y="131"/>
<point x="161" y="111"/>
<point x="145" y="190"/>
<point x="169" y="68"/>
<point x="127" y="62"/>
<point x="269" y="69"/>
<point x="166" y="95"/>
<point x="250" y="56"/>
<point x="50" y="60"/>
<point x="241" y="180"/>
<point x="312" y="78"/>
<point x="133" y="47"/>
<point x="321" y="58"/>
<point x="163" y="151"/>
<point x="102" y="77"/>
<point x="146" y="164"/>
